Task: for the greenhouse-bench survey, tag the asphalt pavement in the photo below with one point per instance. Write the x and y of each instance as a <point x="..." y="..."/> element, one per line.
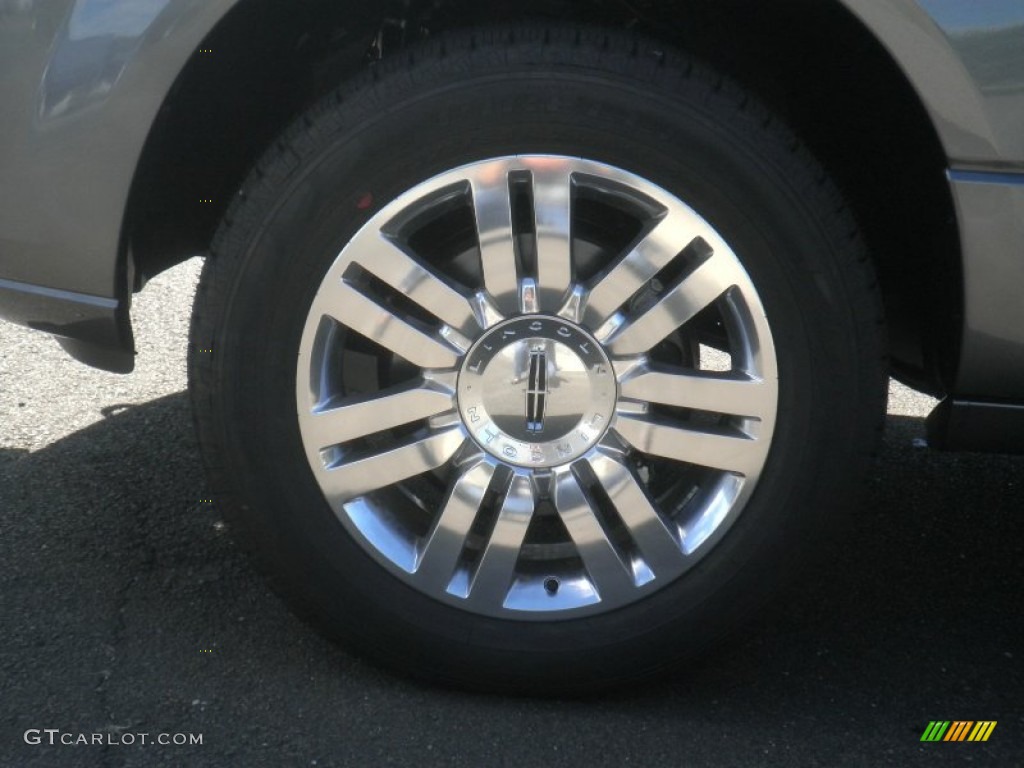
<point x="125" y="609"/>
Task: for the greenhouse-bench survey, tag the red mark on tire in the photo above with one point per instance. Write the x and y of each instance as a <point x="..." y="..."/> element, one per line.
<point x="365" y="201"/>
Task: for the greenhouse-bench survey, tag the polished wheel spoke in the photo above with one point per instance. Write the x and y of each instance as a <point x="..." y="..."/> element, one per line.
<point x="385" y="259"/>
<point x="678" y="306"/>
<point x="733" y="453"/>
<point x="655" y="538"/>
<point x="611" y="577"/>
<point x="332" y="425"/>
<point x="496" y="570"/>
<point x="663" y="243"/>
<point x="731" y="393"/>
<point x="346" y="480"/>
<point x="552" y="201"/>
<point x="352" y="308"/>
<point x="492" y="208"/>
<point x="442" y="547"/>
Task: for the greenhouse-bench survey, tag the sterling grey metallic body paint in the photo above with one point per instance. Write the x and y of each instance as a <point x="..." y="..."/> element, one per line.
<point x="966" y="62"/>
<point x="81" y="82"/>
<point x="990" y="209"/>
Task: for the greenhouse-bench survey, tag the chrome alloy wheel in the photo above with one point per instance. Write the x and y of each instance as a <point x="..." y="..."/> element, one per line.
<point x="536" y="387"/>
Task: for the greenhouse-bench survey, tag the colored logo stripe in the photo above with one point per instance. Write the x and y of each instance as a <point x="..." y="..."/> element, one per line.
<point x="982" y="730"/>
<point x="958" y="730"/>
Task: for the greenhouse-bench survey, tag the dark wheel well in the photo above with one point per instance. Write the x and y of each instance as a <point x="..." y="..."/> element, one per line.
<point x="811" y="60"/>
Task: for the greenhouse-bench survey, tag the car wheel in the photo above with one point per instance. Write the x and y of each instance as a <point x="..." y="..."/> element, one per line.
<point x="535" y="359"/>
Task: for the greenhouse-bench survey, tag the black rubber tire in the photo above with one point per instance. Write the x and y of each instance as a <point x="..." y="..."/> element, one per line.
<point x="611" y="98"/>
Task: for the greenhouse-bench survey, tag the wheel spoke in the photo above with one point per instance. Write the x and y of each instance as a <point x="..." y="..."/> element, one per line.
<point x="552" y="203"/>
<point x="732" y="393"/>
<point x="732" y="453"/>
<point x="611" y="577"/>
<point x="492" y="207"/>
<point x="349" y="479"/>
<point x="352" y="308"/>
<point x="657" y="539"/>
<point x="695" y="292"/>
<point x="385" y="259"/>
<point x="496" y="570"/>
<point x="334" y="425"/>
<point x="439" y="554"/>
<point x="663" y="243"/>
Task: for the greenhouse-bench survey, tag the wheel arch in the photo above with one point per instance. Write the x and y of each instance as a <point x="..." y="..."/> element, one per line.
<point x="853" y="105"/>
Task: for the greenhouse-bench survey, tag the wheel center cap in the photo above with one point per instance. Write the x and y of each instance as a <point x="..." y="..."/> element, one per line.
<point x="536" y="391"/>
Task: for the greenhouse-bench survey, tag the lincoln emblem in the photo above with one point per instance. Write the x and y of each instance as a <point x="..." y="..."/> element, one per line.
<point x="537" y="391"/>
